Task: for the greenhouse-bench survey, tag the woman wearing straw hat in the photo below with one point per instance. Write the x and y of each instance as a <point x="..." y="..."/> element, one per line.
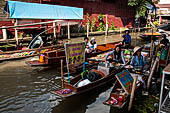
<point x="137" y="59"/>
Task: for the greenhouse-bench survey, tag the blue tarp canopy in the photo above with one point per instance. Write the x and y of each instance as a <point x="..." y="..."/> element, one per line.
<point x="25" y="10"/>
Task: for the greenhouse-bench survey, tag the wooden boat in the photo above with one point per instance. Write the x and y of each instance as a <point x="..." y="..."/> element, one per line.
<point x="148" y="36"/>
<point x="123" y="86"/>
<point x="7" y="47"/>
<point x="121" y="93"/>
<point x="103" y="48"/>
<point x="50" y="57"/>
<point x="101" y="57"/>
<point x="165" y="27"/>
<point x="54" y="57"/>
<point x="75" y="90"/>
<point x="20" y="54"/>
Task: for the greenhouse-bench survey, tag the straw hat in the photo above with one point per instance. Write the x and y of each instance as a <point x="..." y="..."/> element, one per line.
<point x="137" y="48"/>
<point x="93" y="38"/>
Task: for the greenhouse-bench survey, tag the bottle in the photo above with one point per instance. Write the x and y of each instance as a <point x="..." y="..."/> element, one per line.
<point x="120" y="96"/>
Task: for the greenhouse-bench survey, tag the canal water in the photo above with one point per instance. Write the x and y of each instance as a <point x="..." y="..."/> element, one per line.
<point x="25" y="89"/>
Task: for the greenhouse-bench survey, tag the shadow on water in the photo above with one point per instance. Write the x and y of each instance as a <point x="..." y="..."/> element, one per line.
<point x="123" y="110"/>
<point x="79" y="103"/>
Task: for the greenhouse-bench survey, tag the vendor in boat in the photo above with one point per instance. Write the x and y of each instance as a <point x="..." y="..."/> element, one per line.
<point x="164" y="41"/>
<point x="116" y="55"/>
<point x="137" y="59"/>
<point x="92" y="45"/>
<point x="126" y="39"/>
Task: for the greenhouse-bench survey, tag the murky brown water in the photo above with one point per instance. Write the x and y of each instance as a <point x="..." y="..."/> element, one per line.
<point x="25" y="89"/>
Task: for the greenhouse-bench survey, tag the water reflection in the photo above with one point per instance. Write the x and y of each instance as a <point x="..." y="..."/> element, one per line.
<point x="25" y="89"/>
<point x="79" y="103"/>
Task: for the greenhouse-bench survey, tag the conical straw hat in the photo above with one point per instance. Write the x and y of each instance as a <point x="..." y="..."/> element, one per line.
<point x="137" y="48"/>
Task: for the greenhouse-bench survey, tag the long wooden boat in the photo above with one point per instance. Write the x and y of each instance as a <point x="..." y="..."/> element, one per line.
<point x="20" y="54"/>
<point x="51" y="57"/>
<point x="75" y="90"/>
<point x="118" y="97"/>
<point x="165" y="27"/>
<point x="148" y="36"/>
<point x="54" y="57"/>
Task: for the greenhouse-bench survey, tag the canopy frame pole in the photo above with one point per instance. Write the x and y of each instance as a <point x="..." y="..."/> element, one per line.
<point x="39" y="23"/>
<point x="54" y="29"/>
<point x="16" y="32"/>
<point x="106" y="32"/>
<point x="62" y="75"/>
<point x="4" y="34"/>
<point x="68" y="30"/>
<point x="87" y="30"/>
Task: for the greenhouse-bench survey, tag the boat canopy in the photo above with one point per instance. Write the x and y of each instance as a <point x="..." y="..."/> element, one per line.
<point x="25" y="10"/>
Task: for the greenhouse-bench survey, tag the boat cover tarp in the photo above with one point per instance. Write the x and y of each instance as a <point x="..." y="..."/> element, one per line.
<point x="25" y="10"/>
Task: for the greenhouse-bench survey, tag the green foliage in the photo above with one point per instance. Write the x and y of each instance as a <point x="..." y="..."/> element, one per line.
<point x="143" y="104"/>
<point x="100" y="17"/>
<point x="101" y="26"/>
<point x="113" y="26"/>
<point x="141" y="6"/>
<point x="101" y="23"/>
<point x="88" y="19"/>
<point x="92" y="27"/>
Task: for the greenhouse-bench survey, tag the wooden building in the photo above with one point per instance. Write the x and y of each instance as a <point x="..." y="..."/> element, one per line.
<point x="117" y="11"/>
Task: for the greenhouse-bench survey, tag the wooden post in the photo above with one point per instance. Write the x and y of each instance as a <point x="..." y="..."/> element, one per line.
<point x="132" y="92"/>
<point x="151" y="74"/>
<point x="106" y="32"/>
<point x="68" y="30"/>
<point x="62" y="75"/>
<point x="135" y="37"/>
<point x="151" y="46"/>
<point x="4" y="33"/>
<point x="87" y="30"/>
<point x="120" y="30"/>
<point x="54" y="29"/>
<point x="16" y="33"/>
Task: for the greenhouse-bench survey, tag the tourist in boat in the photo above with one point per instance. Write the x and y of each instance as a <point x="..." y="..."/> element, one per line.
<point x="87" y="48"/>
<point x="127" y="56"/>
<point x="92" y="45"/>
<point x="116" y="55"/>
<point x="86" y="40"/>
<point x="126" y="39"/>
<point x="164" y="41"/>
<point x="138" y="60"/>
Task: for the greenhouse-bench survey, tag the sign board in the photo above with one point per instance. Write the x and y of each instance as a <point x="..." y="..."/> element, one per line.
<point x="75" y="53"/>
<point x="126" y="80"/>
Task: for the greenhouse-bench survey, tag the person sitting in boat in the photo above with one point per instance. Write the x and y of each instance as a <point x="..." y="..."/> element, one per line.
<point x="126" y="39"/>
<point x="116" y="55"/>
<point x="92" y="45"/>
<point x="127" y="56"/>
<point x="164" y="41"/>
<point x="87" y="48"/>
<point x="138" y="60"/>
